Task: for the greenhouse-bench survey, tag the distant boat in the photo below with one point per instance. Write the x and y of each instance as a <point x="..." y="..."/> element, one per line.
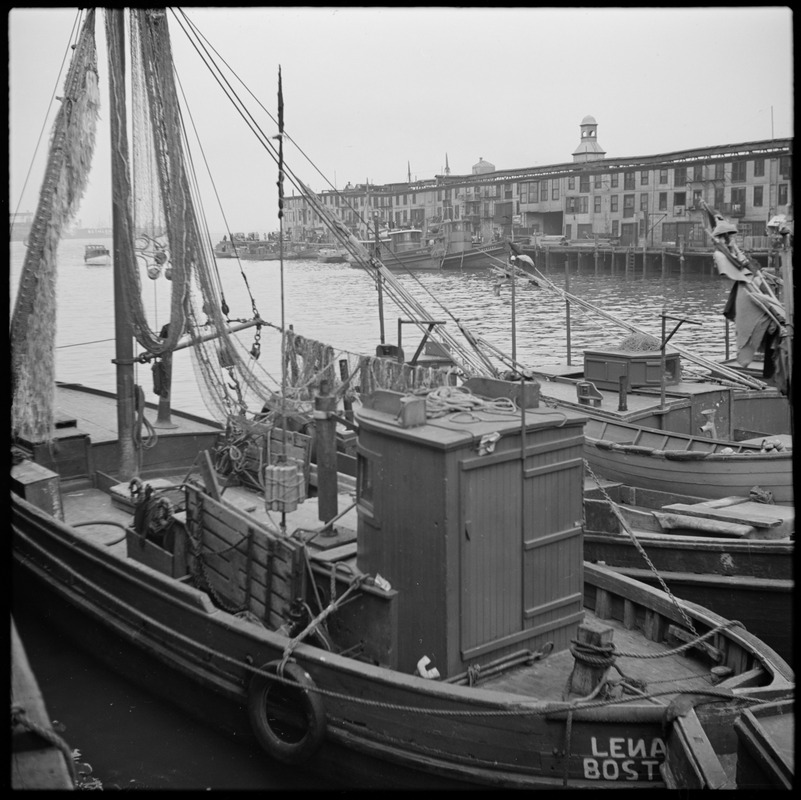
<point x="461" y="252"/>
<point x="97" y="255"/>
<point x="405" y="248"/>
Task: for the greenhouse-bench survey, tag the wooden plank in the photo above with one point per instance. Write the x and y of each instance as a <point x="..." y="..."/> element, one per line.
<point x="335" y="553"/>
<point x="722" y="502"/>
<point x="209" y="475"/>
<point x="717" y="527"/>
<point x="757" y="514"/>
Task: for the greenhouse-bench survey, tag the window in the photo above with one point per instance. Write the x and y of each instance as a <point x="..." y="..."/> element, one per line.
<point x="598" y="181"/>
<point x="720" y="171"/>
<point x="679" y="176"/>
<point x="784" y="166"/>
<point x="543" y="190"/>
<point x="643" y="202"/>
<point x="718" y="198"/>
<point x="644" y="177"/>
<point x="641" y="228"/>
<point x="782" y="194"/>
<point x="738" y="172"/>
<point x="584" y="204"/>
<point x="679" y="198"/>
<point x="571" y="183"/>
<point x="628" y="180"/>
<point x="568" y="231"/>
<point x="597" y="204"/>
<point x="759" y="168"/>
<point x="615" y="227"/>
<point x="571" y="205"/>
<point x="663" y="176"/>
<point x="698" y="172"/>
<point x="628" y="205"/>
<point x="663" y="201"/>
<point x="584" y="183"/>
<point x="697" y="198"/>
<point x="613" y="201"/>
<point x="554" y="190"/>
<point x="614" y="180"/>
<point x="738" y="200"/>
<point x="758" y="196"/>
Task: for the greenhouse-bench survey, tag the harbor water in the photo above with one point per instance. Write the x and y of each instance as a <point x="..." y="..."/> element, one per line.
<point x="134" y="741"/>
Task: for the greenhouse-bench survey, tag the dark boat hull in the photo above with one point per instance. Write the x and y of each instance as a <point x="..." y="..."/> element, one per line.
<point x="198" y="651"/>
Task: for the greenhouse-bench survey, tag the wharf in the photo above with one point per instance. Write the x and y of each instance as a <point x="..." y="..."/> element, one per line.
<point x="627" y="259"/>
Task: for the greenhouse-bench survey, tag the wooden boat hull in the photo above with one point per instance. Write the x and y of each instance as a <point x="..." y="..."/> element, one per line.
<point x="737" y="573"/>
<point x="756" y="752"/>
<point x="716" y="575"/>
<point x="683" y="464"/>
<point x="476" y="258"/>
<point x="183" y="634"/>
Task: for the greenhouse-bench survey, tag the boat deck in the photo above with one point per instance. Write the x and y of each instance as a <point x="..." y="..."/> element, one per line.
<point x="558" y="383"/>
<point x="544" y="679"/>
<point x="84" y="411"/>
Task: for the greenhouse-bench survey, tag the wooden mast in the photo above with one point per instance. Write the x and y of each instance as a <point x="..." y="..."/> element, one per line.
<point x="123" y="328"/>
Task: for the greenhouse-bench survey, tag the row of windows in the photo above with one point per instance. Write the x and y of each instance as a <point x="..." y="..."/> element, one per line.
<point x="535" y="191"/>
<point x="581" y="204"/>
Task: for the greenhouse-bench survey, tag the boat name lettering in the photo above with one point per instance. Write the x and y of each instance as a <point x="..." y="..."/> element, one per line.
<point x="610" y="769"/>
<point x="639" y="755"/>
<point x="621" y="747"/>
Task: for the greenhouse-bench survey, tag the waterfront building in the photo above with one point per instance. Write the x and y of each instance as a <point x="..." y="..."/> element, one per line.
<point x="644" y="202"/>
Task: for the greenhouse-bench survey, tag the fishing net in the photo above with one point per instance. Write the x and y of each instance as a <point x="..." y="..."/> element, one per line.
<point x="639" y="341"/>
<point x="33" y="322"/>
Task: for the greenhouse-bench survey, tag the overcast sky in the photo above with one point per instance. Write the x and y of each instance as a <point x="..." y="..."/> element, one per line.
<point x="372" y="92"/>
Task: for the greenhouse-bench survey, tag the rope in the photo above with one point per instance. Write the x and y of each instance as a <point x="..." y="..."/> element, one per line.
<point x="320" y="618"/>
<point x="19" y="717"/>
<point x="624" y="524"/>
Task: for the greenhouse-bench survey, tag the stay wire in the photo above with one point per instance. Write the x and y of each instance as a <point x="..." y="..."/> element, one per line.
<point x="76" y="26"/>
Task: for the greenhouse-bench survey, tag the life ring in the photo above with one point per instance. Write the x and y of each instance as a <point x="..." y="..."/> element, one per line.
<point x="276" y="710"/>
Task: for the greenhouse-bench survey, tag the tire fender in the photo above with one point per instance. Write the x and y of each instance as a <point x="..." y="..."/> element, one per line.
<point x="290" y="750"/>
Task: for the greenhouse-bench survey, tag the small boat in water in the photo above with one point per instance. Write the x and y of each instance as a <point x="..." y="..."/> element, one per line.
<point x="97" y="255"/>
<point x="733" y="556"/>
<point x="460" y="250"/>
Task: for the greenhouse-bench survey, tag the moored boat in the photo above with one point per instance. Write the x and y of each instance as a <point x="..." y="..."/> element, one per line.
<point x="460" y="250"/>
<point x="434" y="624"/>
<point x="405" y="248"/>
<point x="732" y="556"/>
<point x="414" y="693"/>
<point x="97" y="255"/>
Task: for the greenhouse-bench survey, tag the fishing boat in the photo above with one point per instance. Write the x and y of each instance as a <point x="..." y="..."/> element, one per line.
<point x="461" y="252"/>
<point x="432" y="624"/>
<point x="40" y="758"/>
<point x="97" y="255"/>
<point x="715" y="434"/>
<point x="733" y="556"/>
<point x="405" y="248"/>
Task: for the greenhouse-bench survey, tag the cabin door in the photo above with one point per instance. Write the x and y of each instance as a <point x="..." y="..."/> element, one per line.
<point x="521" y="549"/>
<point x="491" y="593"/>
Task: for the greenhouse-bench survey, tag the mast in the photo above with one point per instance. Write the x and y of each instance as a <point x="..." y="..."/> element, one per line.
<point x="123" y="327"/>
